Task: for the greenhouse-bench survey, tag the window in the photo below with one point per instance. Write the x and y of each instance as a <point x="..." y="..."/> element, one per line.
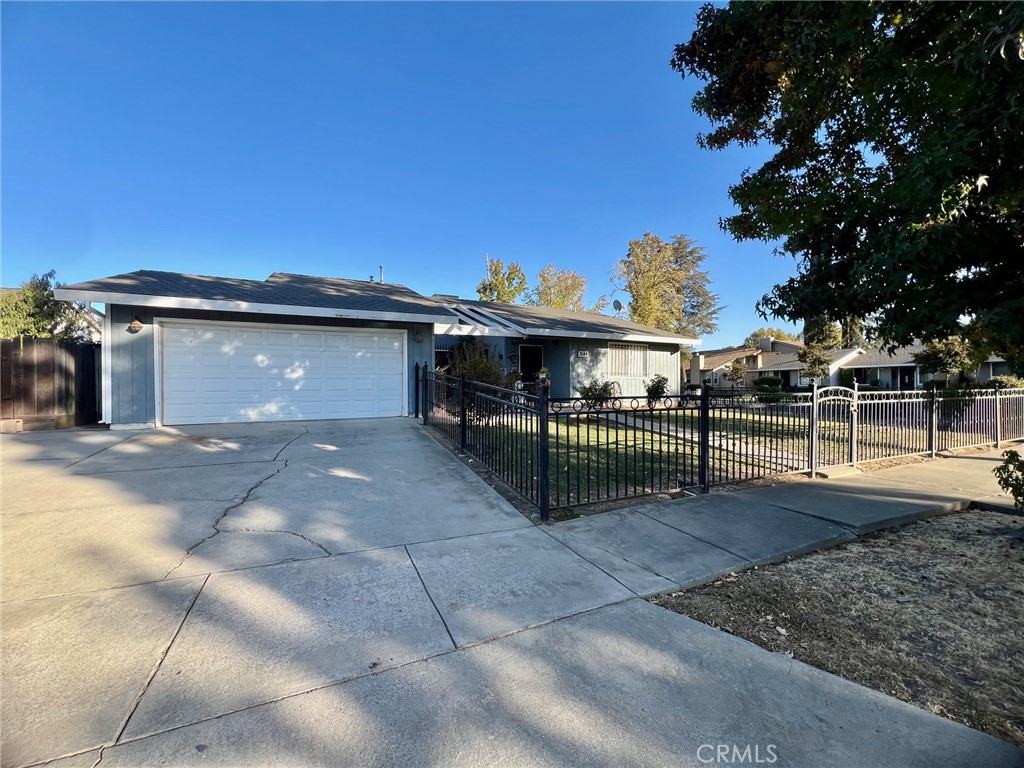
<point x="627" y="360"/>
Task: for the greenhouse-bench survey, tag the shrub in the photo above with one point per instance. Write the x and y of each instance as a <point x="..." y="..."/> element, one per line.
<point x="1010" y="475"/>
<point x="1006" y="382"/>
<point x="656" y="388"/>
<point x="846" y="377"/>
<point x="596" y="393"/>
<point x="768" y="383"/>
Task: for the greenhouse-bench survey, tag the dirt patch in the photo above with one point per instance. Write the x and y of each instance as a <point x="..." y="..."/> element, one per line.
<point x="931" y="614"/>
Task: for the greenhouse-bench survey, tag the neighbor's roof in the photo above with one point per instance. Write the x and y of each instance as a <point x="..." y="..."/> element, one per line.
<point x="791" y="362"/>
<point x="716" y="358"/>
<point x="281" y="292"/>
<point x="545" y="321"/>
<point x="882" y="358"/>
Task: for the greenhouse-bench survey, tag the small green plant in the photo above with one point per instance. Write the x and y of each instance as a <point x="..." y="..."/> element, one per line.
<point x="1010" y="475"/>
<point x="656" y="388"/>
<point x="596" y="393"/>
<point x="543" y="373"/>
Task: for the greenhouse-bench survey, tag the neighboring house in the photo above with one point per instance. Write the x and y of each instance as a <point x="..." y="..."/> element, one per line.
<point x="190" y="349"/>
<point x="897" y="369"/>
<point x="789" y="368"/>
<point x="575" y="347"/>
<point x="710" y="366"/>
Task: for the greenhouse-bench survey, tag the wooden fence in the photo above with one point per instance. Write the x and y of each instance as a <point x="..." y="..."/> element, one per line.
<point x="49" y="384"/>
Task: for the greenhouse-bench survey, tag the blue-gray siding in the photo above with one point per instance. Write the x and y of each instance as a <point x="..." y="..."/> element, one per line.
<point x="132" y="392"/>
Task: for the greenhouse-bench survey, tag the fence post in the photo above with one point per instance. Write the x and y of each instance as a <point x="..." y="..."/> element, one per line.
<point x="854" y="424"/>
<point x="543" y="455"/>
<point x="462" y="413"/>
<point x="427" y="390"/>
<point x="999" y="423"/>
<point x="416" y="393"/>
<point x="813" y="425"/>
<point x="704" y="440"/>
<point x="933" y="423"/>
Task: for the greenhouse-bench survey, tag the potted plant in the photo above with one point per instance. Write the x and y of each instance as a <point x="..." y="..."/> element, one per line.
<point x="543" y="375"/>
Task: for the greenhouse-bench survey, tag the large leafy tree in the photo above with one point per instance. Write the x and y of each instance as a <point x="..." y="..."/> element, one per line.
<point x="668" y="286"/>
<point x="755" y="337"/>
<point x="32" y="311"/>
<point x="562" y="289"/>
<point x="898" y="175"/>
<point x="502" y="284"/>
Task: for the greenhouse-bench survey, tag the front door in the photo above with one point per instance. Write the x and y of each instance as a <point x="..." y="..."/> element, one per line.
<point x="531" y="360"/>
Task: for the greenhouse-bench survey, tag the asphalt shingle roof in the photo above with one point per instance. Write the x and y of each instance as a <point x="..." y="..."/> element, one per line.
<point x="716" y="358"/>
<point x="791" y="362"/>
<point x="280" y="288"/>
<point x="538" y="318"/>
<point x="880" y="358"/>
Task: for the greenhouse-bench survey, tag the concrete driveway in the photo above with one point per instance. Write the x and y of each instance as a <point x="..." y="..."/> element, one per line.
<point x="348" y="593"/>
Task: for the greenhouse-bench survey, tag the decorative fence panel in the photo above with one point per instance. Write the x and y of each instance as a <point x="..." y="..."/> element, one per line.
<point x="561" y="453"/>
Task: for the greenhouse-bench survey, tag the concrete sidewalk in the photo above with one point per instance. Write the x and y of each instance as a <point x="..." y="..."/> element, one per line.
<point x="678" y="544"/>
<point x="354" y="595"/>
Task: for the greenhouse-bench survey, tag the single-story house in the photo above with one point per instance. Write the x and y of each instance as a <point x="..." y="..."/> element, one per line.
<point x="575" y="347"/>
<point x="789" y="368"/>
<point x="192" y="349"/>
<point x="898" y="370"/>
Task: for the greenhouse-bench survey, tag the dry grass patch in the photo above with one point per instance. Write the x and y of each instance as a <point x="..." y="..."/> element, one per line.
<point x="932" y="614"/>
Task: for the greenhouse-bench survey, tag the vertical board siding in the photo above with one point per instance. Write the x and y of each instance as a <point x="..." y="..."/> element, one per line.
<point x="47" y="383"/>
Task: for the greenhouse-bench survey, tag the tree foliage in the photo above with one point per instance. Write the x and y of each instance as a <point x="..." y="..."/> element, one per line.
<point x="504" y="285"/>
<point x="562" y="289"/>
<point x="668" y="285"/>
<point x="898" y="176"/>
<point x="32" y="310"/>
<point x="736" y="372"/>
<point x="952" y="356"/>
<point x="820" y="336"/>
<point x="779" y="334"/>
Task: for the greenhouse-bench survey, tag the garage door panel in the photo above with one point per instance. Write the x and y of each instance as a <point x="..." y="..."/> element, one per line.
<point x="229" y="373"/>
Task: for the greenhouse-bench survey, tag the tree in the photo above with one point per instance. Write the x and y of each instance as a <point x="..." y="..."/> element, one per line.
<point x="755" y="337"/>
<point x="898" y="178"/>
<point x="668" y="286"/>
<point x="503" y="285"/>
<point x="852" y="332"/>
<point x="948" y="357"/>
<point x="736" y="372"/>
<point x="32" y="310"/>
<point x="820" y="337"/>
<point x="562" y="289"/>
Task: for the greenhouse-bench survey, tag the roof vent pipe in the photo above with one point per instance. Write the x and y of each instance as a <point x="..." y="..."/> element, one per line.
<point x="381" y="268"/>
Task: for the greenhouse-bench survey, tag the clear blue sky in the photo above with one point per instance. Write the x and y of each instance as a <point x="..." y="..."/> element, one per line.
<point x="241" y="139"/>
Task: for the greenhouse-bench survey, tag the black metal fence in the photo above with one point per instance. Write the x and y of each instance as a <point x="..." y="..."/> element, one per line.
<point x="563" y="452"/>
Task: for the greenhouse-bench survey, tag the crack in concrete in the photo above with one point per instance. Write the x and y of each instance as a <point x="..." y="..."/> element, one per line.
<point x="100" y="758"/>
<point x="156" y="669"/>
<point x="237" y="504"/>
<point x="316" y="544"/>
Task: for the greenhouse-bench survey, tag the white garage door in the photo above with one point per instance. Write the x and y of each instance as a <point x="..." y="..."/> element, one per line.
<point x="220" y="373"/>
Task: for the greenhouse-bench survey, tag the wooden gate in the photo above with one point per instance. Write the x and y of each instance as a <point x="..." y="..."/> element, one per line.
<point x="49" y="384"/>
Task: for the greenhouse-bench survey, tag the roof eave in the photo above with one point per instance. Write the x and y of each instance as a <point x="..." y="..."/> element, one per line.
<point x="226" y="305"/>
